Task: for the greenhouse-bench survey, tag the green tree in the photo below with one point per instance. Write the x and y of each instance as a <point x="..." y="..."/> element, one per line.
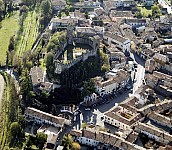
<point x="11" y="44"/>
<point x="156" y="11"/>
<point x="15" y="129"/>
<point x="1" y="8"/>
<point x="41" y="137"/>
<point x="49" y="64"/>
<point x="67" y="141"/>
<point x="46" y="11"/>
<point x="24" y="9"/>
<point x="76" y="146"/>
<point x="89" y="87"/>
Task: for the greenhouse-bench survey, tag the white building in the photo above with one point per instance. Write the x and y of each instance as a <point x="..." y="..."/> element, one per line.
<point x="160" y="119"/>
<point x="154" y="133"/>
<point x="45" y="118"/>
<point x="95" y="138"/>
<point x="122" y="117"/>
<point x="120" y="42"/>
<point x="58" y="4"/>
<point x="116" y="81"/>
<point x="136" y="22"/>
<point x="123" y="3"/>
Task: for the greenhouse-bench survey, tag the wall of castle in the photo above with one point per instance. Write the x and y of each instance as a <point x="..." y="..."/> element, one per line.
<point x="60" y="51"/>
<point x="60" y="66"/>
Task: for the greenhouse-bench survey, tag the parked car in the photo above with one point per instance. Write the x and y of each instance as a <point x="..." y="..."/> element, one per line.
<point x="87" y="109"/>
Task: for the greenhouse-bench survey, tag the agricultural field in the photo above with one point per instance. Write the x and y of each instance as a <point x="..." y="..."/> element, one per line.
<point x="29" y="34"/>
<point x="9" y="28"/>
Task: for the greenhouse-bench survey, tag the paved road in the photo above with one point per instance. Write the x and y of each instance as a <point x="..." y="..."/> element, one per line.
<point x="94" y="115"/>
<point x="1" y="88"/>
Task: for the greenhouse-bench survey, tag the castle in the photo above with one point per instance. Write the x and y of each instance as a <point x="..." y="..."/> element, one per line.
<point x="83" y="35"/>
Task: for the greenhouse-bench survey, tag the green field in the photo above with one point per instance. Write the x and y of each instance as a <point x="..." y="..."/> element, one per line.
<point x="9" y="27"/>
<point x="29" y="35"/>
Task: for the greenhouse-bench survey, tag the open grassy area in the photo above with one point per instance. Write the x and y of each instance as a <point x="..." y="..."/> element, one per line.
<point x="145" y="12"/>
<point x="29" y="35"/>
<point x="9" y="27"/>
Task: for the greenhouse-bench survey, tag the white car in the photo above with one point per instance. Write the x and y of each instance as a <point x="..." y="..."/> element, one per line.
<point x="87" y="109"/>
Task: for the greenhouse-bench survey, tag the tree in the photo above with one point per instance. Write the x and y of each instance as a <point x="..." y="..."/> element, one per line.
<point x="89" y="87"/>
<point x="67" y="141"/>
<point x="41" y="139"/>
<point x="156" y="11"/>
<point x="1" y="8"/>
<point x="76" y="146"/>
<point x="49" y="64"/>
<point x="46" y="11"/>
<point x="14" y="129"/>
<point x="11" y="44"/>
<point x="24" y="9"/>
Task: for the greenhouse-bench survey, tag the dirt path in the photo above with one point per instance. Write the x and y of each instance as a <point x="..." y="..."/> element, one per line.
<point x="1" y="88"/>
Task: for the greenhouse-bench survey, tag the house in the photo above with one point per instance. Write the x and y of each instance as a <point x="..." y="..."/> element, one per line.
<point x="153" y="133"/>
<point x="41" y="117"/>
<point x="38" y="80"/>
<point x="148" y="2"/>
<point x="145" y="95"/>
<point x="160" y="119"/>
<point x="117" y="58"/>
<point x="116" y="81"/>
<point x="62" y="23"/>
<point x="161" y="82"/>
<point x="120" y="42"/>
<point x="119" y="3"/>
<point x="136" y="22"/>
<point x="58" y="4"/>
<point x="122" y="116"/>
<point x="52" y="135"/>
<point x="159" y="107"/>
<point x="96" y="138"/>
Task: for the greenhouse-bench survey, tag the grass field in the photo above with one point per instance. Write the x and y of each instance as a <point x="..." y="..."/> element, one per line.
<point x="29" y="35"/>
<point x="9" y="27"/>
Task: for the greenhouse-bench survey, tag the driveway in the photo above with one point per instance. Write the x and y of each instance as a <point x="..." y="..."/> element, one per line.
<point x="1" y="88"/>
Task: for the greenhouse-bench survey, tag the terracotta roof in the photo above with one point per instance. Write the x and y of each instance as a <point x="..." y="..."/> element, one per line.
<point x="154" y="131"/>
<point x="160" y="118"/>
<point x="109" y="138"/>
<point x="44" y="115"/>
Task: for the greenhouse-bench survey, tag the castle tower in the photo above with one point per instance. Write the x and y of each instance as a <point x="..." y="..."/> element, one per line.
<point x="70" y="30"/>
